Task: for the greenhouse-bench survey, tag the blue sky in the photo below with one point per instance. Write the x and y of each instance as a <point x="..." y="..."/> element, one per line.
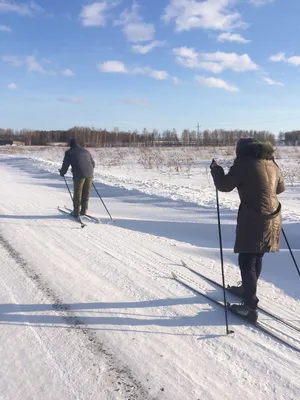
<point x="150" y="63"/>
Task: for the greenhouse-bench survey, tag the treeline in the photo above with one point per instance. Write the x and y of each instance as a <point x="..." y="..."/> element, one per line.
<point x="291" y="138"/>
<point x="91" y="137"/>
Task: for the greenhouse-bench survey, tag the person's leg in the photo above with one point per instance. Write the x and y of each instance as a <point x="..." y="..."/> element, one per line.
<point x="247" y="263"/>
<point x="78" y="184"/>
<point x="258" y="265"/>
<point x="86" y="195"/>
<point x="239" y="289"/>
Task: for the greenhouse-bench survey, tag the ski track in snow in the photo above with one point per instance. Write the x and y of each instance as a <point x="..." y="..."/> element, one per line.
<point x="94" y="313"/>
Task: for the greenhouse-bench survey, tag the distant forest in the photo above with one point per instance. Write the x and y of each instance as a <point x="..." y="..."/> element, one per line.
<point x="91" y="137"/>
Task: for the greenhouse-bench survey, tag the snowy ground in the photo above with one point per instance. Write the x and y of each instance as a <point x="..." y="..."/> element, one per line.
<point x="95" y="314"/>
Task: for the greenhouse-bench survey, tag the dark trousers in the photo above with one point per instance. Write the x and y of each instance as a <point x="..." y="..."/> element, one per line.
<point x="250" y="266"/>
<point x="82" y="188"/>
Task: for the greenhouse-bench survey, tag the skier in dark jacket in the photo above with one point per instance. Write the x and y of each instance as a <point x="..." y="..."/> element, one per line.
<point x="83" y="165"/>
<point x="258" y="181"/>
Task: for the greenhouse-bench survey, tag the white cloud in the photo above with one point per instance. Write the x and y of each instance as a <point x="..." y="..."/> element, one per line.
<point x="208" y="14"/>
<point x="34" y="66"/>
<point x="232" y="37"/>
<point x="176" y="81"/>
<point x="112" y="66"/>
<point x="187" y="57"/>
<point x="68" y="73"/>
<point x="119" y="67"/>
<point x="30" y="62"/>
<point x="214" y="62"/>
<point x="5" y="28"/>
<point x="280" y="57"/>
<point x="258" y="3"/>
<point x="28" y="9"/>
<point x="153" y="73"/>
<point x="187" y="54"/>
<point x="139" y="32"/>
<point x="134" y="28"/>
<point x="144" y="49"/>
<point x="12" y="86"/>
<point x="14" y="61"/>
<point x="233" y="61"/>
<point x="95" y="14"/>
<point x="136" y="101"/>
<point x="72" y="100"/>
<point x="214" y="67"/>
<point x="295" y="60"/>
<point x="215" y="83"/>
<point x="270" y="81"/>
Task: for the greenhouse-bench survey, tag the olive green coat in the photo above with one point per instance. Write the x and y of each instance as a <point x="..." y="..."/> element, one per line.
<point x="258" y="181"/>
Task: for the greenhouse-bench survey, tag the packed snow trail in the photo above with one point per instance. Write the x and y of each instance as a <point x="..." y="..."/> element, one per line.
<point x="47" y="361"/>
<point x="94" y="313"/>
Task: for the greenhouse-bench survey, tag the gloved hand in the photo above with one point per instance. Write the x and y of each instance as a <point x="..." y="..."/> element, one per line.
<point x="60" y="173"/>
<point x="213" y="164"/>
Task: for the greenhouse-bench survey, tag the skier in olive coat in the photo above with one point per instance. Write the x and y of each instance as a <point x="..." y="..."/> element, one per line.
<point x="83" y="165"/>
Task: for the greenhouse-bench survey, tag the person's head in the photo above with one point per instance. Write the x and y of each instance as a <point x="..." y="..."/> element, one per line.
<point x="242" y="145"/>
<point x="73" y="142"/>
<point x="248" y="147"/>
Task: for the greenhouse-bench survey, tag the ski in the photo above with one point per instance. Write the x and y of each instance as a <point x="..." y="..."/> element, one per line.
<point x="188" y="284"/>
<point x="94" y="219"/>
<point x="78" y="219"/>
<point x="266" y="312"/>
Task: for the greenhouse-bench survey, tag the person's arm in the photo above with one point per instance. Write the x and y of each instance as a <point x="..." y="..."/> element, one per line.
<point x="280" y="185"/>
<point x="92" y="161"/>
<point x="224" y="183"/>
<point x="65" y="165"/>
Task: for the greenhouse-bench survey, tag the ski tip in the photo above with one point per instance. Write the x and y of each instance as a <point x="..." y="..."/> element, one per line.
<point x="174" y="275"/>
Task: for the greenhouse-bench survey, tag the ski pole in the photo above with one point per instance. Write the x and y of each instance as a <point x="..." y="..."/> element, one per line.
<point x="68" y="188"/>
<point x="102" y="201"/>
<point x="292" y="255"/>
<point x="228" y="331"/>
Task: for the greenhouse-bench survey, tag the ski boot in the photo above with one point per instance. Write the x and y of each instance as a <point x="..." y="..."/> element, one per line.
<point x="75" y="214"/>
<point x="242" y="310"/>
<point x="237" y="290"/>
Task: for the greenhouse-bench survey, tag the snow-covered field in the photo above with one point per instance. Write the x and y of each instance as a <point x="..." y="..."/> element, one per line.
<point x="95" y="313"/>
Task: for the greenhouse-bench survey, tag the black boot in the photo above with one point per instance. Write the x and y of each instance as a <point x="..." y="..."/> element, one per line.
<point x="237" y="290"/>
<point x="244" y="311"/>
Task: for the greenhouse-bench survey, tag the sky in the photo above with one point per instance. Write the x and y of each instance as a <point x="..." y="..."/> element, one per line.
<point x="150" y="64"/>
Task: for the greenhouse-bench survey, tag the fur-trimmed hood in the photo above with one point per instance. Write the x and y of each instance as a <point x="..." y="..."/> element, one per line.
<point x="253" y="148"/>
